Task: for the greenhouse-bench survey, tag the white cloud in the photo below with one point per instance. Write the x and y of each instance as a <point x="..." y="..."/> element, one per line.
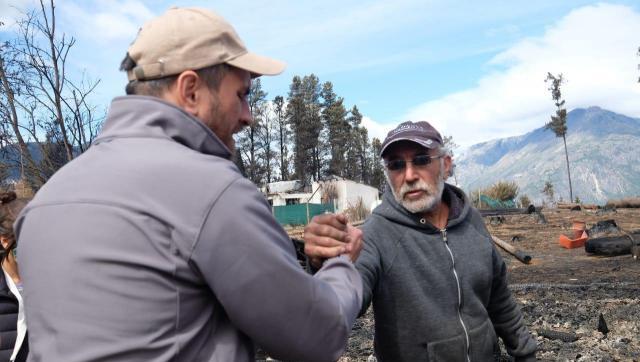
<point x="101" y="20"/>
<point x="106" y="21"/>
<point x="12" y="11"/>
<point x="374" y="129"/>
<point x="594" y="47"/>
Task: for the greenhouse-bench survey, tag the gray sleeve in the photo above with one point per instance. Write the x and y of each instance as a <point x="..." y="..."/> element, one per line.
<point x="249" y="263"/>
<point x="506" y="315"/>
<point x="369" y="266"/>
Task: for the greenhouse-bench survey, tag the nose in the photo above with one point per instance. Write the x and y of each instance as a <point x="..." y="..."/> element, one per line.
<point x="410" y="173"/>
<point x="246" y="119"/>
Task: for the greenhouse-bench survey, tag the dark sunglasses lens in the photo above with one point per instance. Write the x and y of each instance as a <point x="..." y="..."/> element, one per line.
<point x="421" y="160"/>
<point x="396" y="165"/>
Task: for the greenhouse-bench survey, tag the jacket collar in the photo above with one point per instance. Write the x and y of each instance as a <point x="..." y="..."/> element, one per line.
<point x="151" y="117"/>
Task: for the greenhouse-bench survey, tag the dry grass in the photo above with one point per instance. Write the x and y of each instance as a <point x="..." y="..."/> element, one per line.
<point x="357" y="211"/>
<point x="501" y="191"/>
<point x="524" y="201"/>
<point x="626" y="203"/>
<point x="329" y="192"/>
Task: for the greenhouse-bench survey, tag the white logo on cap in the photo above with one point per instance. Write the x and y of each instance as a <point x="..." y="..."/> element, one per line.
<point x="407" y="127"/>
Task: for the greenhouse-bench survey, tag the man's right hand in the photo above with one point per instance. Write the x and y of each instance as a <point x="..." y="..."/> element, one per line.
<point x="330" y="235"/>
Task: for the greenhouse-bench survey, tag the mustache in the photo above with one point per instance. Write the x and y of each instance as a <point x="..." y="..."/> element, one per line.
<point x="418" y="186"/>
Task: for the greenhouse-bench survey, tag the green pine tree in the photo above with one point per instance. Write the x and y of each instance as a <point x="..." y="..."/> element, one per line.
<point x="283" y="134"/>
<point x="334" y="118"/>
<point x="249" y="141"/>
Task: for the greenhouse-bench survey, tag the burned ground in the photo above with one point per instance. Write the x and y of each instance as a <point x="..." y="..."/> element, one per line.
<point x="562" y="292"/>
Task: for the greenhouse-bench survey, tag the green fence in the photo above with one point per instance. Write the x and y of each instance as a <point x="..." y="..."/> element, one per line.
<point x="497" y="204"/>
<point x="297" y="214"/>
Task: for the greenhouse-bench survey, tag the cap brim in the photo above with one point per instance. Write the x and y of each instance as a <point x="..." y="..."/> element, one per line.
<point x="257" y="65"/>
<point x="432" y="145"/>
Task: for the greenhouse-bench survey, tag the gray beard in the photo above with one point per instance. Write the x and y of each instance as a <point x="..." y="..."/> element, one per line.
<point x="425" y="204"/>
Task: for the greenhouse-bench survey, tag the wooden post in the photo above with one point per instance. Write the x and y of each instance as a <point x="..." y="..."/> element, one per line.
<point x="512" y="250"/>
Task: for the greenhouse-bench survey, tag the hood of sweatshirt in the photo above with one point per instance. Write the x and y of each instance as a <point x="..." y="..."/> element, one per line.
<point x="459" y="207"/>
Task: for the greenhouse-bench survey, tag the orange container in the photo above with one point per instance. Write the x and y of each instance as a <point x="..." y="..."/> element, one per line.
<point x="567" y="243"/>
<point x="578" y="228"/>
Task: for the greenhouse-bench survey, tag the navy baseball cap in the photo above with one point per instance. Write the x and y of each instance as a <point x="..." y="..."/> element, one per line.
<point x="421" y="133"/>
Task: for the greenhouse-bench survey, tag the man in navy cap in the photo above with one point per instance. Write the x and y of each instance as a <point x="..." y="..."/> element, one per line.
<point x="437" y="283"/>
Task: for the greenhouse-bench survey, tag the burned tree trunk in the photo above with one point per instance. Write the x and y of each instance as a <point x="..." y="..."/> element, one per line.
<point x="612" y="245"/>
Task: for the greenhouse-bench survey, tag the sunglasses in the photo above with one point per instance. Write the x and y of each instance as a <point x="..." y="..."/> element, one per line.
<point x="418" y="161"/>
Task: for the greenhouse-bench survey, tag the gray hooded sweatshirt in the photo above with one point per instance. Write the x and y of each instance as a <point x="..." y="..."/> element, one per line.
<point x="438" y="295"/>
<point x="151" y="246"/>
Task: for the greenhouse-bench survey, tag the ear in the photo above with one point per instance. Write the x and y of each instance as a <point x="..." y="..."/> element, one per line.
<point x="448" y="164"/>
<point x="5" y="242"/>
<point x="187" y="92"/>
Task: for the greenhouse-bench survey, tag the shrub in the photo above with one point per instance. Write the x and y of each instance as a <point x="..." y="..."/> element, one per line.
<point x="357" y="211"/>
<point x="548" y="191"/>
<point x="501" y="191"/>
<point x="524" y="201"/>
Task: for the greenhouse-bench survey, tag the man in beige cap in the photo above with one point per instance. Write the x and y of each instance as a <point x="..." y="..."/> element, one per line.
<point x="151" y="246"/>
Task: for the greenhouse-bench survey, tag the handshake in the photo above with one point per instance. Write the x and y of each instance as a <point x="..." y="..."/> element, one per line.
<point x="331" y="235"/>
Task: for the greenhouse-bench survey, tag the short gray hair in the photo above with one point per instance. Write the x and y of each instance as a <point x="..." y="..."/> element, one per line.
<point x="212" y="75"/>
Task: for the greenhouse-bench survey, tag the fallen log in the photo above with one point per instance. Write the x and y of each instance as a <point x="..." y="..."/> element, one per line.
<point x="568" y="205"/>
<point x="514" y="211"/>
<point x="563" y="336"/>
<point x="612" y="245"/>
<point x="518" y="254"/>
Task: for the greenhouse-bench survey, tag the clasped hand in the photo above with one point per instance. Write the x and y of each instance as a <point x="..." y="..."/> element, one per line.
<point x="330" y="235"/>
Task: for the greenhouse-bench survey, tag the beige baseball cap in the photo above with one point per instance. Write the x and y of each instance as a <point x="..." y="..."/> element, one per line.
<point x="192" y="38"/>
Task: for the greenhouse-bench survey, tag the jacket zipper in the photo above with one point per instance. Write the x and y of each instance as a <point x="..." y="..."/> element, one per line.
<point x="455" y="274"/>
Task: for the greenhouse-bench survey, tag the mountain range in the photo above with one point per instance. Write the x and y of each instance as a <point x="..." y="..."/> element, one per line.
<point x="604" y="157"/>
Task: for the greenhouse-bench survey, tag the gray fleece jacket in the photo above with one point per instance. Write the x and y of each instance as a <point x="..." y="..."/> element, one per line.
<point x="438" y="295"/>
<point x="151" y="246"/>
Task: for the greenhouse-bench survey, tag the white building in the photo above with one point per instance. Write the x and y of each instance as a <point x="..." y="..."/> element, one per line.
<point x="345" y="193"/>
<point x="283" y="193"/>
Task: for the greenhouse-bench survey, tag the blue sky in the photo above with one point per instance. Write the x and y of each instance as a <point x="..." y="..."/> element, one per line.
<point x="474" y="69"/>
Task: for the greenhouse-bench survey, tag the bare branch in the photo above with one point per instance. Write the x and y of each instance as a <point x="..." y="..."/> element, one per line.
<point x="51" y="112"/>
